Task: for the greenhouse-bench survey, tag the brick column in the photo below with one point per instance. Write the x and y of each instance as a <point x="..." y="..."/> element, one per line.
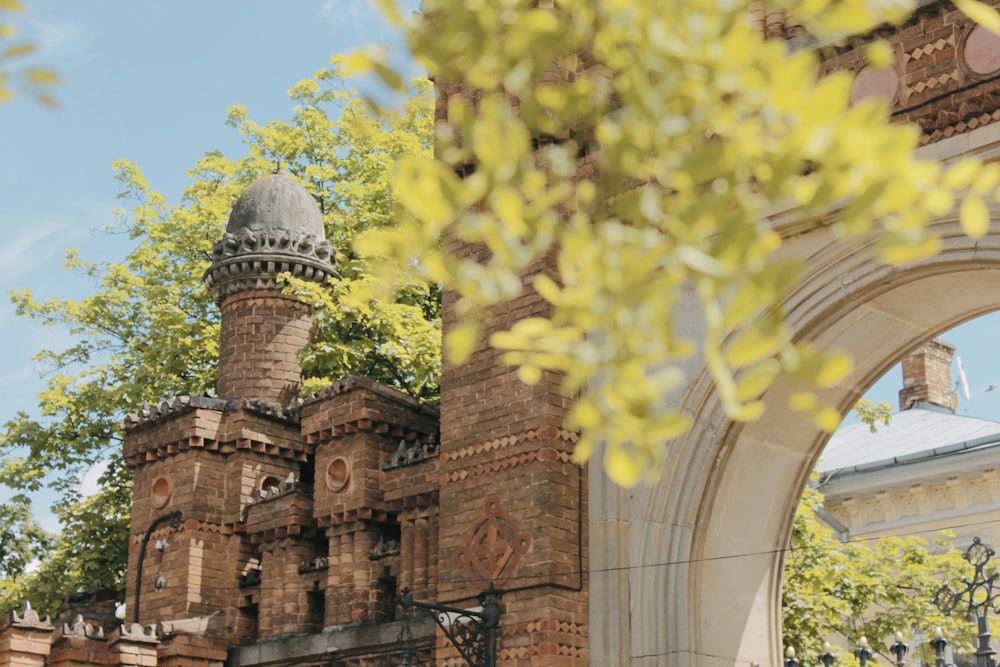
<point x="25" y="640"/>
<point x="79" y="644"/>
<point x="188" y="650"/>
<point x="260" y="335"/>
<point x="514" y="499"/>
<point x="273" y="229"/>
<point x="134" y="646"/>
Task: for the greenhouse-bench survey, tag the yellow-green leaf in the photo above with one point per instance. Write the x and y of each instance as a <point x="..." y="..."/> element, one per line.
<point x="18" y="50"/>
<point x="461" y="342"/>
<point x="42" y="76"/>
<point x="622" y="467"/>
<point x="981" y="13"/>
<point x="975" y="217"/>
<point x="835" y="368"/>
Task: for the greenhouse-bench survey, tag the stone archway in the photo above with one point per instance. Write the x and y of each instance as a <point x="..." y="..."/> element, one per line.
<point x="697" y="560"/>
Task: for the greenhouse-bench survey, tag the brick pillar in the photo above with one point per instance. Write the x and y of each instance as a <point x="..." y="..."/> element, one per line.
<point x="134" y="646"/>
<point x="260" y="335"/>
<point x="25" y="640"/>
<point x="79" y="644"/>
<point x="514" y="500"/>
<point x="927" y="377"/>
<point x="189" y="650"/>
<point x="285" y="607"/>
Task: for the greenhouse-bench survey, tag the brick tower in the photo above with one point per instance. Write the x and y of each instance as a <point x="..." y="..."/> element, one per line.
<point x="199" y="461"/>
<point x="274" y="228"/>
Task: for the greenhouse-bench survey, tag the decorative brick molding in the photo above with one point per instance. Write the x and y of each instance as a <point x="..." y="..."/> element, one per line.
<point x="192" y="525"/>
<point x="545" y="625"/>
<point x="478" y="470"/>
<point x="163" y="451"/>
<point x="939" y="90"/>
<point x="509" y="440"/>
<point x="493" y="547"/>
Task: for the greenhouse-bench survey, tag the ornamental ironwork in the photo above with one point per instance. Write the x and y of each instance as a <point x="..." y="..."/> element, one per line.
<point x="473" y="632"/>
<point x="978" y="595"/>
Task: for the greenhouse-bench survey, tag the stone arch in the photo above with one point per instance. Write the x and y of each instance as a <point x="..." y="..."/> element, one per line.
<point x="697" y="560"/>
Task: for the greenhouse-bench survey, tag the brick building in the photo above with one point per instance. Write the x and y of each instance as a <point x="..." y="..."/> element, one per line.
<point x="927" y="471"/>
<point x="272" y="530"/>
<point x="268" y="531"/>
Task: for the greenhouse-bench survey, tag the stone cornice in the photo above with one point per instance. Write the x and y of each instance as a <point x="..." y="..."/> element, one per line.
<point x="884" y="505"/>
<point x="252" y="259"/>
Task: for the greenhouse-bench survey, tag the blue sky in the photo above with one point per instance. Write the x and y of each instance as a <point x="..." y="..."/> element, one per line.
<point x="150" y="82"/>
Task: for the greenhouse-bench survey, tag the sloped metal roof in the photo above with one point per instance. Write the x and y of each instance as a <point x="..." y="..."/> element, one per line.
<point x="919" y="433"/>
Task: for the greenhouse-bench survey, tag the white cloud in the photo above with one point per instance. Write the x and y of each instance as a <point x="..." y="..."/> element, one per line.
<point x="57" y="36"/>
<point x="341" y="14"/>
<point x="27" y="250"/>
<point x="18" y="375"/>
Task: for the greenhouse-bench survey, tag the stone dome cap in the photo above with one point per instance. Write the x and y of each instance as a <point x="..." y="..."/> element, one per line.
<point x="275" y="227"/>
<point x="276" y="202"/>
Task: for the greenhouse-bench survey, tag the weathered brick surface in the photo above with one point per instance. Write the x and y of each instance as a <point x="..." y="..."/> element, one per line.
<point x="25" y="640"/>
<point x="927" y="376"/>
<point x="260" y="334"/>
<point x="937" y="90"/>
<point x="506" y="461"/>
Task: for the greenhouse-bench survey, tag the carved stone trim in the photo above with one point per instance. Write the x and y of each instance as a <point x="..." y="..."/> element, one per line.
<point x="175" y="405"/>
<point x="29" y="619"/>
<point x="136" y="633"/>
<point x="252" y="259"/>
<point x="80" y="628"/>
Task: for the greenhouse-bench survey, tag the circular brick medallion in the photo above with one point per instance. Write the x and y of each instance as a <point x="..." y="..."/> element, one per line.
<point x="338" y="474"/>
<point x="160" y="494"/>
<point x="871" y="82"/>
<point x="982" y="51"/>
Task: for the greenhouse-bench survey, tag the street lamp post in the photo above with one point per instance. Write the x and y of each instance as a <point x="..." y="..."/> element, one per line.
<point x="979" y="595"/>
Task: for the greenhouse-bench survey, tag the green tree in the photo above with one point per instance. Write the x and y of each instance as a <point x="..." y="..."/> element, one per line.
<point x="840" y="590"/>
<point x="149" y="328"/>
<point x="641" y="145"/>
<point x="22" y="540"/>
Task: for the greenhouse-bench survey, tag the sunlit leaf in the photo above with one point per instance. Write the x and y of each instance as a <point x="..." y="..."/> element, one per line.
<point x="982" y="14"/>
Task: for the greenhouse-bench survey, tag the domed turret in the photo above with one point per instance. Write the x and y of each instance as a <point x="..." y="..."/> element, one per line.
<point x="274" y="228"/>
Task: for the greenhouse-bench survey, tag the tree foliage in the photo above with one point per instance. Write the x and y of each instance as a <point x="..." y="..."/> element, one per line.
<point x="874" y="414"/>
<point x="642" y="145"/>
<point x="149" y="329"/>
<point x="840" y="592"/>
<point x="22" y="540"/>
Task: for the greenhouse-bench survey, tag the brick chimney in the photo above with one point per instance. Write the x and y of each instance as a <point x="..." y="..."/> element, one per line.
<point x="927" y="377"/>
